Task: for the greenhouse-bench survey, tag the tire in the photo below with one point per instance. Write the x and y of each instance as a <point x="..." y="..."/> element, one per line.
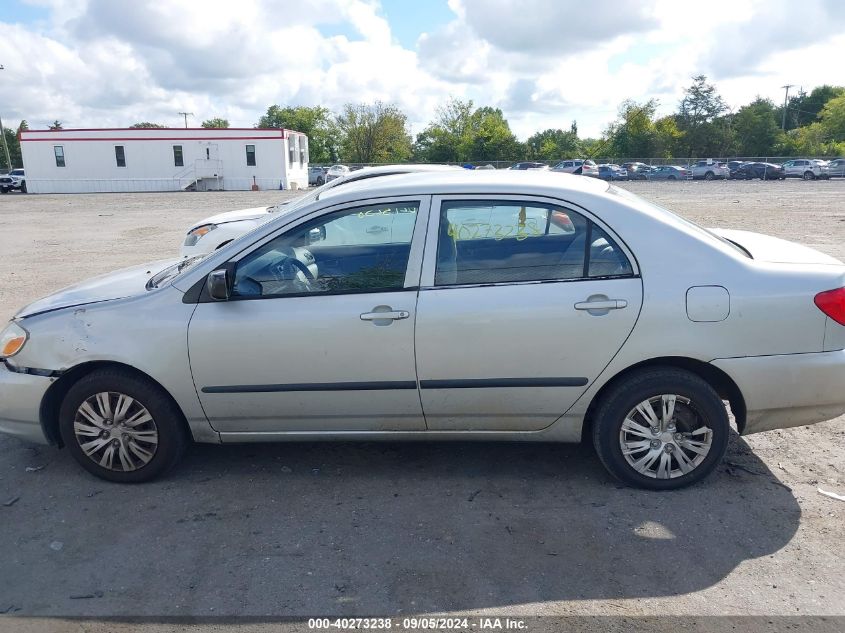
<point x="321" y="181"/>
<point x="4" y="189"/>
<point x="703" y="408"/>
<point x="166" y="426"/>
<point x="709" y="175"/>
<point x="23" y="187"/>
<point x="808" y="175"/>
<point x="672" y="178"/>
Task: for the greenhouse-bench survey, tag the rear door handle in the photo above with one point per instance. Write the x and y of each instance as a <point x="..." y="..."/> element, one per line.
<point x="604" y="304"/>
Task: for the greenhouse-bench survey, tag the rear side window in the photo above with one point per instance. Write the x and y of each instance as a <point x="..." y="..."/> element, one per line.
<point x="483" y="242"/>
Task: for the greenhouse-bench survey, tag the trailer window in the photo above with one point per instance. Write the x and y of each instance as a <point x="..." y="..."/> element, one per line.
<point x="120" y="155"/>
<point x="59" y="151"/>
<point x="291" y="149"/>
<point x="250" y="155"/>
<point x="303" y="150"/>
<point x="178" y="157"/>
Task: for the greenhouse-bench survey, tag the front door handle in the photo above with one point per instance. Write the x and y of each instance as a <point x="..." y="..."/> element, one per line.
<point x="385" y="315"/>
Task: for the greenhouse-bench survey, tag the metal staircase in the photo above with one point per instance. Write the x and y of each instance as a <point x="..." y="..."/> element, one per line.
<point x="206" y="174"/>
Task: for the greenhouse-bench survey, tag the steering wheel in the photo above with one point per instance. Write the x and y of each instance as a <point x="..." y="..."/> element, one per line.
<point x="286" y="271"/>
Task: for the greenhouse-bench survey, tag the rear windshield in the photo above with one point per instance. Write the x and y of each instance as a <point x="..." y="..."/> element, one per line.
<point x="624" y="193"/>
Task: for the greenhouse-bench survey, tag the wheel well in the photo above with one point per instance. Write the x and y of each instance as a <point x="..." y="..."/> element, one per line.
<point x="52" y="401"/>
<point x="712" y="375"/>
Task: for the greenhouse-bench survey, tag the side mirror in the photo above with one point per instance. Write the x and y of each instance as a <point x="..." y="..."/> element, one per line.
<point x="317" y="234"/>
<point x="218" y="285"/>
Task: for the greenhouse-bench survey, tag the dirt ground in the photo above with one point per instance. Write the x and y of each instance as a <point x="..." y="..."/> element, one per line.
<point x="322" y="529"/>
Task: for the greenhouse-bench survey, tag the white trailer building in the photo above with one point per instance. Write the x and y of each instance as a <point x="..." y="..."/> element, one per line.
<point x="163" y="159"/>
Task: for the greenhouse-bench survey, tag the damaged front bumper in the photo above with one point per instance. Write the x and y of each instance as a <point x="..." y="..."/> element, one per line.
<point x="21" y="393"/>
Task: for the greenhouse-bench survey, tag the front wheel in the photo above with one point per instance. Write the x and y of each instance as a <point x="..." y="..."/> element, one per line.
<point x="23" y="187"/>
<point x="709" y="175"/>
<point x="808" y="175"/>
<point x="122" y="427"/>
<point x="4" y="189"/>
<point x="661" y="429"/>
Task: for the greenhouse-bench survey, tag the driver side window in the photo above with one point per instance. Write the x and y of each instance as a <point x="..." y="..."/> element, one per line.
<point x="365" y="249"/>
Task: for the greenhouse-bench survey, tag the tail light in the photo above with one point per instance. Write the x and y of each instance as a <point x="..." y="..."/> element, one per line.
<point x="832" y="303"/>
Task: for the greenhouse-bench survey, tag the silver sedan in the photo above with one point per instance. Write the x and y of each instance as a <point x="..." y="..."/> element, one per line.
<point x="452" y="305"/>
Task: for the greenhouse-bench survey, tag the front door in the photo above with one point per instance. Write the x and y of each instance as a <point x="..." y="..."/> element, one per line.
<point x="523" y="303"/>
<point x="318" y="334"/>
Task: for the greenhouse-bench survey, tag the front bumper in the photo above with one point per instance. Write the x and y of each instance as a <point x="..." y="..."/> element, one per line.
<point x="20" y="402"/>
<point x="783" y="391"/>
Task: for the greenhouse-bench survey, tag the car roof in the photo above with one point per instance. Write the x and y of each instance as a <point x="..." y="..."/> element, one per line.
<point x="466" y="181"/>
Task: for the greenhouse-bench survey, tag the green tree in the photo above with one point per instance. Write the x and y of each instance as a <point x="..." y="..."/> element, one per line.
<point x="216" y="123"/>
<point x="756" y="130"/>
<point x="373" y="133"/>
<point x="56" y="125"/>
<point x="489" y="137"/>
<point x="705" y="131"/>
<point x="553" y="144"/>
<point x="803" y="108"/>
<point x="446" y="139"/>
<point x="667" y="137"/>
<point x="315" y="122"/>
<point x="832" y="118"/>
<point x="146" y="125"/>
<point x="13" y="144"/>
<point x="634" y="134"/>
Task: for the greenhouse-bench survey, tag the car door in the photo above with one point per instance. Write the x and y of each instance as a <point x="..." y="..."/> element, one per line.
<point x="523" y="302"/>
<point x="318" y="334"/>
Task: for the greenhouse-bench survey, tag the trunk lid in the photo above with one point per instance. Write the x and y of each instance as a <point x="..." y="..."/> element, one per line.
<point x="766" y="248"/>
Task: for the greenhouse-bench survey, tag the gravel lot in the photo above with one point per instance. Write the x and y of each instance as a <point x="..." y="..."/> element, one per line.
<point x="318" y="529"/>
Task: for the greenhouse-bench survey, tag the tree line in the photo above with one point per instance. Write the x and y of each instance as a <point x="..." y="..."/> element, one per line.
<point x="811" y="124"/>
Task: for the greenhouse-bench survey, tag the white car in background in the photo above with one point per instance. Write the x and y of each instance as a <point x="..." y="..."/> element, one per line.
<point x="215" y="231"/>
<point x="582" y="166"/>
<point x="806" y="168"/>
<point x="336" y="171"/>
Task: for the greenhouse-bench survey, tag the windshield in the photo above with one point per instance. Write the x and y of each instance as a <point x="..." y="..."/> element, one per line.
<point x="173" y="271"/>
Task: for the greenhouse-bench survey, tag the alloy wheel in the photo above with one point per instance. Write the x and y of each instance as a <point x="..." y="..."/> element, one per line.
<point x="116" y="431"/>
<point x="665" y="437"/>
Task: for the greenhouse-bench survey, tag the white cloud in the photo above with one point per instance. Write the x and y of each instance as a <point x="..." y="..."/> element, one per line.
<point x="544" y="62"/>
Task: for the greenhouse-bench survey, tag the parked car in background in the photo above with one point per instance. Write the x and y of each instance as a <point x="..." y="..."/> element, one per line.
<point x="216" y="231"/>
<point x="637" y="171"/>
<point x="763" y="171"/>
<point x="612" y="172"/>
<point x="336" y="171"/>
<point x="836" y="168"/>
<point x="806" y="168"/>
<point x="317" y="327"/>
<point x="709" y="170"/>
<point x="529" y="165"/>
<point x="669" y="172"/>
<point x="733" y="165"/>
<point x="14" y="180"/>
<point x="582" y="166"/>
<point x="317" y="175"/>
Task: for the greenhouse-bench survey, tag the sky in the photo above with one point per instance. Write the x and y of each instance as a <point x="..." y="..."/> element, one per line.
<point x="545" y="63"/>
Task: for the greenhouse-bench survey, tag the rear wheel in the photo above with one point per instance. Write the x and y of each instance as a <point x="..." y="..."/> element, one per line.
<point x="709" y="175"/>
<point x="808" y="175"/>
<point x="671" y="178"/>
<point x="661" y="429"/>
<point x="122" y="427"/>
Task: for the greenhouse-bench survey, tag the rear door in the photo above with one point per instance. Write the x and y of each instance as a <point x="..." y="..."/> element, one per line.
<point x="523" y="302"/>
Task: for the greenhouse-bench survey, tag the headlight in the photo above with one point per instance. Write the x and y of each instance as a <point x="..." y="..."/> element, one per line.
<point x="194" y="235"/>
<point x="12" y="340"/>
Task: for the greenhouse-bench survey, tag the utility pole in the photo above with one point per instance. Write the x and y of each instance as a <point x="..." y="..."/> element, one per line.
<point x="785" y="101"/>
<point x="3" y="134"/>
<point x="186" y="115"/>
